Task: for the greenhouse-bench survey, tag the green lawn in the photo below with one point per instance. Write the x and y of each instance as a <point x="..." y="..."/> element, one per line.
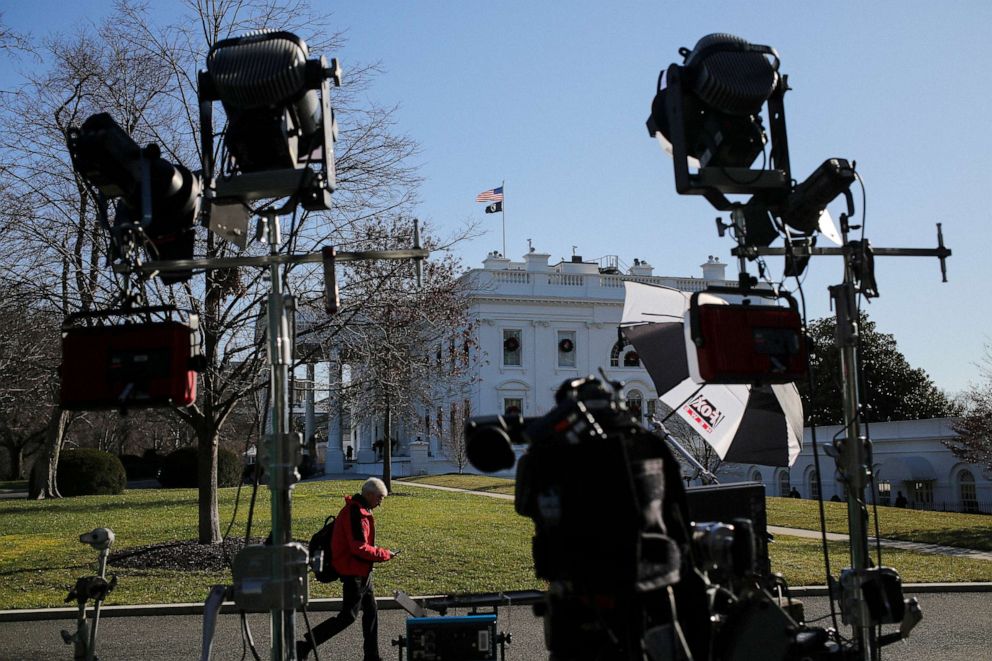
<point x="972" y="531"/>
<point x="482" y="483"/>
<point x="451" y="542"/>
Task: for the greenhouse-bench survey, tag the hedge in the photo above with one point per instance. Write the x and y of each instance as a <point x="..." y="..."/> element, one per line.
<point x="179" y="469"/>
<point x="88" y="472"/>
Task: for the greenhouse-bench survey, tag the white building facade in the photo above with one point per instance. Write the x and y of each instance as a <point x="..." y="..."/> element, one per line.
<point x="908" y="457"/>
<point x="539" y="324"/>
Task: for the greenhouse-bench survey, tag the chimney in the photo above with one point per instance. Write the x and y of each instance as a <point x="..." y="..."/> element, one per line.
<point x="641" y="267"/>
<point x="495" y="262"/>
<point x="537" y="261"/>
<point x="714" y="269"/>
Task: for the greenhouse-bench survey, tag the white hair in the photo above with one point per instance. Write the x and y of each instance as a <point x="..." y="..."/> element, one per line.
<point x="374" y="485"/>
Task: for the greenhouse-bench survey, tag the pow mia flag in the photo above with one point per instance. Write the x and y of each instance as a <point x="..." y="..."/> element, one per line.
<point x="495" y="207"/>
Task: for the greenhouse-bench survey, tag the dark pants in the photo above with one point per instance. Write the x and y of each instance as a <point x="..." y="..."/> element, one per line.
<point x="358" y="594"/>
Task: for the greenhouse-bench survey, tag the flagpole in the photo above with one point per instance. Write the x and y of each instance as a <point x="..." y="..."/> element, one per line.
<point x="502" y="214"/>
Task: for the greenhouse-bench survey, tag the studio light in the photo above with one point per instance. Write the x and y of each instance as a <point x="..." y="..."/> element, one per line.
<point x="280" y="131"/>
<point x="161" y="199"/>
<point x="707" y="115"/>
<point x="728" y="84"/>
<point x="802" y="209"/>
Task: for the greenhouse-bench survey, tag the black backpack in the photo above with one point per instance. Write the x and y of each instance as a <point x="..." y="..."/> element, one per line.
<point x="321" y="543"/>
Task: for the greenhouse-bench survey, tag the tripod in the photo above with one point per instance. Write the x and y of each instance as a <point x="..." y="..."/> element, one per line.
<point x="852" y="452"/>
<point x="91" y="587"/>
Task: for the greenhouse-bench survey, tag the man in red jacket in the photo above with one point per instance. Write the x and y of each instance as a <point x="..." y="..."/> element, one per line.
<point x="354" y="551"/>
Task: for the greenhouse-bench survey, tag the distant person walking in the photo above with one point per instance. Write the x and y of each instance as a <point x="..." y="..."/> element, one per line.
<point x="901" y="499"/>
<point x="354" y="551"/>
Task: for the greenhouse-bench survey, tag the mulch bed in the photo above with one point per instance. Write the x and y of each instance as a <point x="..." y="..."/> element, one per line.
<point x="186" y="555"/>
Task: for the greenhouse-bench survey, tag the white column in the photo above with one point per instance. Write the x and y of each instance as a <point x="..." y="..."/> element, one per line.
<point x="309" y="424"/>
<point x="334" y="456"/>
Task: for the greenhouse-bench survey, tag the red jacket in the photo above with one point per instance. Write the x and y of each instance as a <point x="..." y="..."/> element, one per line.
<point x="353" y="546"/>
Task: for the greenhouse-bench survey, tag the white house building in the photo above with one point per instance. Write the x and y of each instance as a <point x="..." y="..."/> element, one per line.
<point x="541" y="324"/>
<point x="538" y="324"/>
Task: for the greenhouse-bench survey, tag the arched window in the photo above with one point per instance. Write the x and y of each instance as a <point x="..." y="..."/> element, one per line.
<point x="635" y="402"/>
<point x="813" y="487"/>
<point x="783" y="483"/>
<point x="967" y="491"/>
<point x="615" y="354"/>
<point x="756" y="476"/>
<point x="626" y="354"/>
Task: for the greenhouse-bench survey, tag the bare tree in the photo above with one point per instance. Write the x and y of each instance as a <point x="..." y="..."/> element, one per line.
<point x="53" y="245"/>
<point x="454" y="445"/>
<point x="974" y="428"/>
<point x="144" y="74"/>
<point x="28" y="361"/>
<point x="408" y="346"/>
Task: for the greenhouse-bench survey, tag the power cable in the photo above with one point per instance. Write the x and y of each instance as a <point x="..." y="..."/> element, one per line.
<point x="816" y="454"/>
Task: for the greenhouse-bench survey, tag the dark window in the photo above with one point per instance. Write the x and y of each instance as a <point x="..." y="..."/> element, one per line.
<point x="511" y="348"/>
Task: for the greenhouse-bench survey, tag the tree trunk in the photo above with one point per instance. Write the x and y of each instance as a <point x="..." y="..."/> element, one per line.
<point x="387" y="447"/>
<point x="209" y="517"/>
<point x="44" y="472"/>
<point x="16" y="461"/>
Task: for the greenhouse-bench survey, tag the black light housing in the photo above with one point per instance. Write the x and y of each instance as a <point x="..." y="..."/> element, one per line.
<point x="160" y="198"/>
<point x="707" y="113"/>
<point x="801" y="210"/>
<point x="281" y="130"/>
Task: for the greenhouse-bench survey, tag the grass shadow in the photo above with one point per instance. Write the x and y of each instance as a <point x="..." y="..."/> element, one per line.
<point x="977" y="539"/>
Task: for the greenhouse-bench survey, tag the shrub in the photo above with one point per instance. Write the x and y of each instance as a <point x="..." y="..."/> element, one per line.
<point x="152" y="460"/>
<point x="86" y="472"/>
<point x="134" y="466"/>
<point x="229" y="468"/>
<point x="179" y="469"/>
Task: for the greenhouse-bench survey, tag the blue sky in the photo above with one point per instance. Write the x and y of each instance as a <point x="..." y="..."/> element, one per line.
<point x="552" y="96"/>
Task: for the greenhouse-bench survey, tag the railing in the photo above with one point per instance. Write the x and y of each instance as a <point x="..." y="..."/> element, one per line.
<point x="592" y="281"/>
<point x="511" y="277"/>
<point x="611" y="281"/>
<point x="567" y="279"/>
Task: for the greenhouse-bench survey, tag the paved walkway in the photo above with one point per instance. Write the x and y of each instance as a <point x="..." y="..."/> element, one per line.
<point x="954" y="626"/>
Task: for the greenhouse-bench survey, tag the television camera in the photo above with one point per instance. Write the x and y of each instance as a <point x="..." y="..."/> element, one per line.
<point x="630" y="575"/>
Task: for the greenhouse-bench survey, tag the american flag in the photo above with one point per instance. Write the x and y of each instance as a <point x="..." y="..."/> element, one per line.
<point x="492" y="195"/>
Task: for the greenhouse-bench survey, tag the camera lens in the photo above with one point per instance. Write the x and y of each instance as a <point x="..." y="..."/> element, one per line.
<point x="488" y="447"/>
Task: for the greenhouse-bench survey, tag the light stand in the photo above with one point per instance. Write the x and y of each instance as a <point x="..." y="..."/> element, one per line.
<point x="852" y="453"/>
<point x="274" y="578"/>
<point x="704" y="474"/>
<point x="91" y="587"/>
